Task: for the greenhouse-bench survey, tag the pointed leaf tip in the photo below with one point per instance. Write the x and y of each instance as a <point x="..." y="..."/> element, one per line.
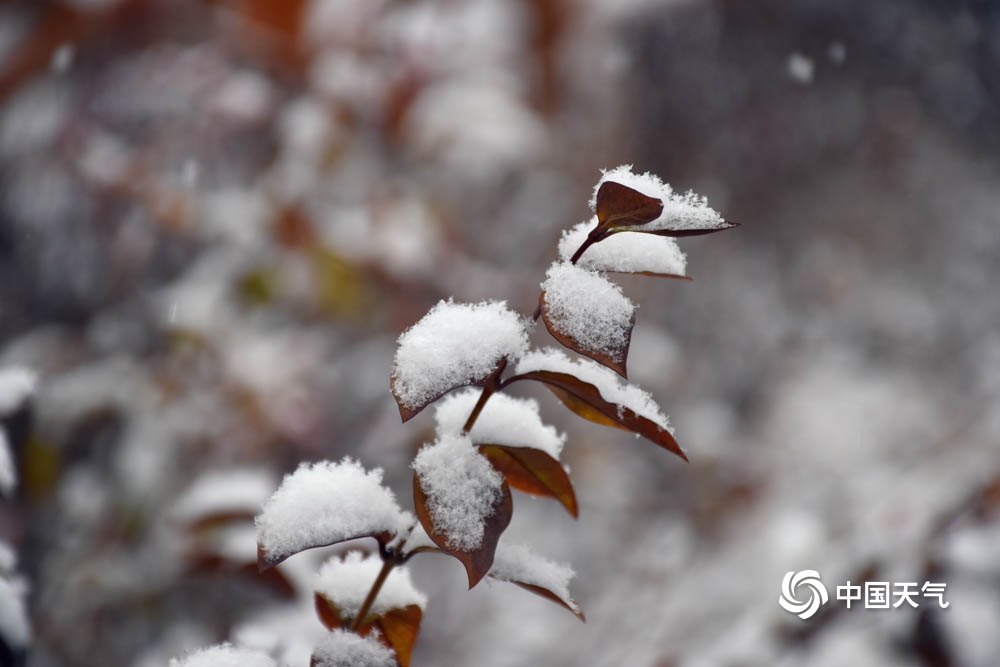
<point x="477" y="561"/>
<point x="533" y="471"/>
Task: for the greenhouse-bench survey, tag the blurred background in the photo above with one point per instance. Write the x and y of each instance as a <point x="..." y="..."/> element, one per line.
<point x="217" y="216"/>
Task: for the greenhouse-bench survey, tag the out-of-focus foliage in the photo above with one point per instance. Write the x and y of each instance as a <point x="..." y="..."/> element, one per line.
<point x="216" y="217"/>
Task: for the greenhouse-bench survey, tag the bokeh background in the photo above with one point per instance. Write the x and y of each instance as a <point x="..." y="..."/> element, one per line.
<point x="216" y="217"/>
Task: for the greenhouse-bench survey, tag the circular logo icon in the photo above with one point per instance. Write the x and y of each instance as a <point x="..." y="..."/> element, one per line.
<point x="790" y="585"/>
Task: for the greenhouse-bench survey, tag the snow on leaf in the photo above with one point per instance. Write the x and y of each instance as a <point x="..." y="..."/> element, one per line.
<point x="504" y="420"/>
<point x="225" y="655"/>
<point x="342" y="648"/>
<point x="519" y="565"/>
<point x="595" y="393"/>
<point x="343" y="584"/>
<point x="324" y="503"/>
<point x="224" y="494"/>
<point x="625" y="253"/>
<point x="345" y="581"/>
<point x="17" y="384"/>
<point x="588" y="314"/>
<point x="462" y="490"/>
<point x="681" y="215"/>
<point x="454" y="345"/>
<point x="461" y="501"/>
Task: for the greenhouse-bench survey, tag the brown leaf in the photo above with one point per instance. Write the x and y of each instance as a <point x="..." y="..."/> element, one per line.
<point x="399" y="628"/>
<point x="653" y="274"/>
<point x="208" y="563"/>
<point x="683" y="233"/>
<point x="407" y="413"/>
<point x="569" y="604"/>
<point x="585" y="400"/>
<point x="614" y="359"/>
<point x="329" y="613"/>
<point x="478" y="561"/>
<point x="265" y="561"/>
<point x="532" y="471"/>
<point x="619" y="205"/>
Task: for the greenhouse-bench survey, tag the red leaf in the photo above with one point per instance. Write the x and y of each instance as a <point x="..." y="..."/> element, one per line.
<point x="478" y="561"/>
<point x="585" y="400"/>
<point x="532" y="471"/>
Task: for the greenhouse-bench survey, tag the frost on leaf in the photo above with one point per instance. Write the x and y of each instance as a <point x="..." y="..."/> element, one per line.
<point x="342" y="648"/>
<point x="588" y="314"/>
<point x="623" y="202"/>
<point x="324" y="503"/>
<point x="225" y="655"/>
<point x="504" y="420"/>
<point x="343" y="584"/>
<point x="461" y="501"/>
<point x="625" y="253"/>
<point x="519" y="565"/>
<point x="454" y="345"/>
<point x="595" y="393"/>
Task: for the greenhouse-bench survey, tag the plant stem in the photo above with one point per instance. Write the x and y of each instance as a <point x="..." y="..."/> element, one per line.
<point x="366" y="606"/>
<point x="591" y="239"/>
<point x="480" y="404"/>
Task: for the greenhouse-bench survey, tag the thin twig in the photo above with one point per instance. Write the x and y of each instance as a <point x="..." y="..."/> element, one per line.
<point x="366" y="606"/>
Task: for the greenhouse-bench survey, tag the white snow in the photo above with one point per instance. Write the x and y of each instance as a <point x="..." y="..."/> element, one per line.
<point x="225" y="655"/>
<point x="8" y="559"/>
<point x="62" y="58"/>
<point x="588" y="308"/>
<point x="606" y="381"/>
<point x="345" y="649"/>
<point x="346" y="582"/>
<point x="800" y="68"/>
<point x="15" y="629"/>
<point x="686" y="211"/>
<point x="223" y="492"/>
<point x="624" y="253"/>
<point x="17" y="384"/>
<point x="455" y="344"/>
<point x="505" y="420"/>
<point x="462" y="488"/>
<point x="8" y="469"/>
<point x="517" y="563"/>
<point x="325" y="502"/>
<point x="288" y="632"/>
